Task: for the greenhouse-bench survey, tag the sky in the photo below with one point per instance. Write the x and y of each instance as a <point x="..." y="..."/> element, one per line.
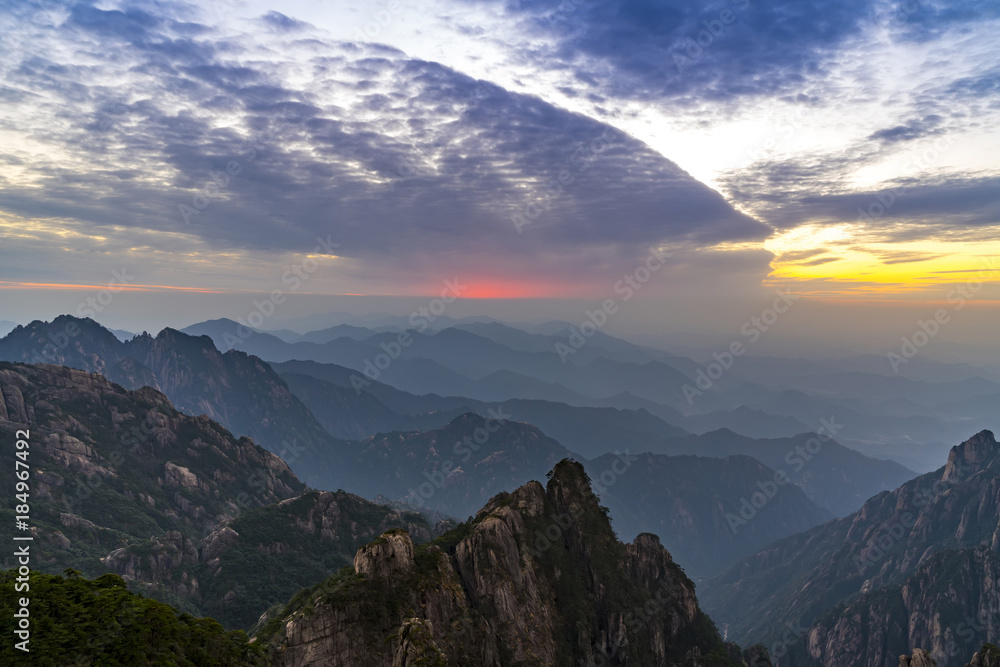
<point x="198" y="157"/>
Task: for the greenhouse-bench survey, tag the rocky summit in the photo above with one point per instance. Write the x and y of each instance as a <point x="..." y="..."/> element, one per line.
<point x="537" y="577"/>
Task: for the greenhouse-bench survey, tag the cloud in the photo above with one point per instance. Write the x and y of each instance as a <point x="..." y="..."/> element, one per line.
<point x="914" y="129"/>
<point x="262" y="142"/>
<point x="670" y="49"/>
<point x="820" y="261"/>
<point x="282" y="23"/>
<point x="801" y="254"/>
<point x="904" y="257"/>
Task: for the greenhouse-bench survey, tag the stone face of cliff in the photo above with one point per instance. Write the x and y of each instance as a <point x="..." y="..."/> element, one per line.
<point x="988" y="656"/>
<point x="110" y="465"/>
<point x="536" y="578"/>
<point x="949" y="605"/>
<point x="918" y="566"/>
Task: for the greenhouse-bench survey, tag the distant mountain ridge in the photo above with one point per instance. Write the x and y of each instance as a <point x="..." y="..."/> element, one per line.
<point x="834" y="476"/>
<point x="238" y="390"/>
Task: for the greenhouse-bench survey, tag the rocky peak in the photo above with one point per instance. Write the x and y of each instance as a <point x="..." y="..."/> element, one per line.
<point x="538" y="577"/>
<point x="648" y="560"/>
<point x="569" y="488"/>
<point x="989" y="656"/>
<point x="977" y="453"/>
<point x="920" y="658"/>
<point x="388" y="556"/>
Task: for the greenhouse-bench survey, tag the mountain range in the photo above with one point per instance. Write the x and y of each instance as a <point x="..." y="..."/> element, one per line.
<point x="147" y="468"/>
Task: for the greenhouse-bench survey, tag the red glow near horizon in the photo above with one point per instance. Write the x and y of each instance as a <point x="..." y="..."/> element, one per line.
<point x="507" y="289"/>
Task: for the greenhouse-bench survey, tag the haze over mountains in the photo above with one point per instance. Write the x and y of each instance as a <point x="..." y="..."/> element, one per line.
<point x="752" y="503"/>
<point x="906" y="417"/>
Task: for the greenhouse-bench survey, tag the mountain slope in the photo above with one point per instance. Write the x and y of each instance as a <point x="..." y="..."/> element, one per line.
<point x="834" y="477"/>
<point x="184" y="511"/>
<point x="949" y="606"/>
<point x="490" y="593"/>
<point x="77" y="621"/>
<point x="236" y="389"/>
<point x="798" y="579"/>
<point x="589" y="431"/>
<point x="456" y="468"/>
<point x="262" y="557"/>
<point x="709" y="512"/>
<point x="112" y="467"/>
<point x="348" y="414"/>
<point x="77" y="343"/>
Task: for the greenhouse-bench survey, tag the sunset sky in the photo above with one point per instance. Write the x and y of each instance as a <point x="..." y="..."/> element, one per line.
<point x="536" y="150"/>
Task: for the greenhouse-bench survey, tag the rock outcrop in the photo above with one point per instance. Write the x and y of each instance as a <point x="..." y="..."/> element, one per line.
<point x="537" y="577"/>
<point x="919" y="566"/>
<point x="989" y="656"/>
<point x="920" y="658"/>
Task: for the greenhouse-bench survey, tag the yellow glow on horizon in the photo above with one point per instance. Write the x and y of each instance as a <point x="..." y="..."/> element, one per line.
<point x="840" y="257"/>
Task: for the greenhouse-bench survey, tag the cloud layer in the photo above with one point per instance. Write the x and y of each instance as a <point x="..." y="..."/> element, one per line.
<point x="172" y="134"/>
